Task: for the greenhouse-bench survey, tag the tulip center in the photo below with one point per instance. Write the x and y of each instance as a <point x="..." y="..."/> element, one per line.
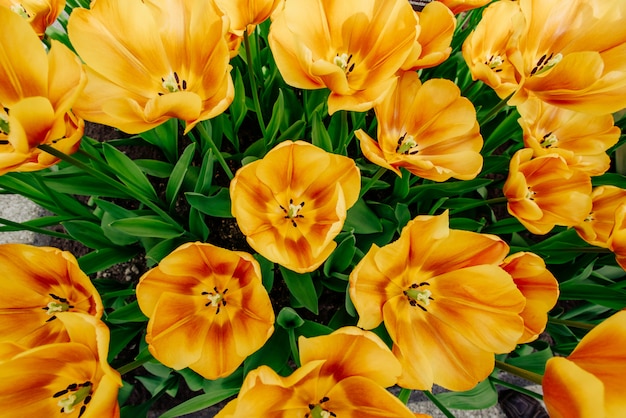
<point x="58" y="304"/>
<point x="494" y="62"/>
<point x="292" y="212"/>
<point x="545" y="63"/>
<point x="216" y="298"/>
<point x="173" y="83"/>
<point x="318" y="411"/>
<point x="344" y="61"/>
<point x="20" y="10"/>
<point x="74" y="395"/>
<point x="406" y="143"/>
<point x="530" y="194"/>
<point x="417" y="296"/>
<point x="549" y="141"/>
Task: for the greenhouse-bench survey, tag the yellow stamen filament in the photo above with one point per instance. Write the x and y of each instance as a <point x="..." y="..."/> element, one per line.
<point x="405" y="145"/>
<point x="549" y="141"/>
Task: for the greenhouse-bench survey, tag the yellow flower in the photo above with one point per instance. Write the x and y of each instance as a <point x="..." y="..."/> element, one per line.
<point x="150" y="61"/>
<point x="617" y="239"/>
<point x="353" y="47"/>
<point x="36" y="95"/>
<point x="444" y="299"/>
<point x="39" y="13"/>
<point x="458" y="6"/>
<point x="590" y="381"/>
<point x="208" y="309"/>
<point x="543" y="192"/>
<point x="292" y="204"/>
<point x="539" y="287"/>
<point x="39" y="283"/>
<point x="580" y="138"/>
<point x="68" y="379"/>
<point x="599" y="224"/>
<point x="440" y="141"/>
<point x="245" y="14"/>
<point x="342" y="375"/>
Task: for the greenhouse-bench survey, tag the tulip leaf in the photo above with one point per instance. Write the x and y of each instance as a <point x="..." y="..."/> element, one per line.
<point x="238" y="108"/>
<point x="87" y="233"/>
<point x="319" y="134"/>
<point x="147" y="226"/>
<point x="156" y="252"/>
<point x="121" y="336"/>
<point x="178" y="175"/>
<point x="128" y="313"/>
<point x="199" y="402"/>
<point x="535" y="359"/>
<point x="197" y="226"/>
<point x="104" y="258"/>
<point x="483" y="395"/>
<point x="217" y="205"/>
<point x="301" y="288"/>
<point x="313" y="329"/>
<point x="205" y="178"/>
<point x="362" y="219"/>
<point x="341" y="257"/>
<point x="128" y="172"/>
<point x="277" y="115"/>
<point x="275" y="353"/>
<point x="155" y="168"/>
<point x="505" y="130"/>
<point x="165" y="137"/>
<point x="505" y="226"/>
<point x="598" y="294"/>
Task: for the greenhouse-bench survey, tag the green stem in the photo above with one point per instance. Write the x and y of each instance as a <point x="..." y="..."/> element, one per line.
<point x="574" y="324"/>
<point x="518" y="371"/>
<point x="495" y="110"/>
<point x="253" y="86"/>
<point x="220" y="158"/>
<point x="20" y="227"/>
<point x="294" y="347"/>
<point x="438" y="403"/>
<point x="373" y="180"/>
<point x="516" y="388"/>
<point x="404" y="395"/>
<point x="132" y="365"/>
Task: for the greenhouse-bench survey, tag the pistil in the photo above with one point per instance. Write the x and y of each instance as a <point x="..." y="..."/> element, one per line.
<point x="419" y="297"/>
<point x="292" y="212"/>
<point x="216" y="298"/>
<point x="344" y="61"/>
<point x="173" y="83"/>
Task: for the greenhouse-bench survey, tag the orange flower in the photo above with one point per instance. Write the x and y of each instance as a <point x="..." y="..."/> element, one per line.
<point x="36" y="95"/>
<point x="61" y="379"/>
<point x="440" y="141"/>
<point x="445" y="302"/>
<point x="580" y="138"/>
<point x="538" y="286"/>
<point x="432" y="46"/>
<point x="353" y="47"/>
<point x="458" y="6"/>
<point x="208" y="309"/>
<point x="590" y="381"/>
<point x="245" y="14"/>
<point x="341" y="376"/>
<point x="599" y="224"/>
<point x="544" y="192"/>
<point x="292" y="204"/>
<point x="617" y="239"/>
<point x="150" y="61"/>
<point x="39" y="13"/>
<point x="41" y="282"/>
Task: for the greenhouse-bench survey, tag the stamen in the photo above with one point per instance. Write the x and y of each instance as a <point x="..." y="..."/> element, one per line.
<point x="405" y="144"/>
<point x="173" y="83"/>
<point x="76" y="394"/>
<point x="216" y="298"/>
<point x="494" y="61"/>
<point x="530" y="194"/>
<point x="5" y="128"/>
<point x="546" y="63"/>
<point x="20" y="10"/>
<point x="549" y="141"/>
<point x="292" y="213"/>
<point x="419" y="297"/>
<point x="343" y="61"/>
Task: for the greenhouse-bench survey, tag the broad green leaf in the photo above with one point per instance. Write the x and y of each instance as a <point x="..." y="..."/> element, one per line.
<point x="155" y="253"/>
<point x="205" y="178"/>
<point x="319" y="134"/>
<point x="87" y="233"/>
<point x="147" y="226"/>
<point x="277" y="115"/>
<point x="601" y="295"/>
<point x="155" y="168"/>
<point x="121" y="336"/>
<point x="362" y="219"/>
<point x="178" y="175"/>
<point x="100" y="260"/>
<point x="341" y="257"/>
<point x="301" y="288"/>
<point x="199" y="402"/>
<point x="238" y="108"/>
<point x="128" y="172"/>
<point x="217" y="205"/>
<point x="483" y="396"/>
<point x="128" y="313"/>
<point x="288" y="318"/>
<point x="164" y="136"/>
<point x="536" y="358"/>
<point x="275" y="353"/>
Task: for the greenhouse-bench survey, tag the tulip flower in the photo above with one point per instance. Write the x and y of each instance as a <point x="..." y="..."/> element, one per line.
<point x="440" y="141"/>
<point x="69" y="379"/>
<point x="580" y="138"/>
<point x="36" y="95"/>
<point x="245" y="14"/>
<point x="458" y="6"/>
<point x="148" y="62"/>
<point x="341" y="376"/>
<point x="292" y="204"/>
<point x="208" y="309"/>
<point x="39" y="13"/>
<point x="598" y="226"/>
<point x="445" y="301"/>
<point x="539" y="287"/>
<point x="617" y="239"/>
<point x="589" y="382"/>
<point x="40" y="283"/>
<point x="543" y="192"/>
<point x="352" y="47"/>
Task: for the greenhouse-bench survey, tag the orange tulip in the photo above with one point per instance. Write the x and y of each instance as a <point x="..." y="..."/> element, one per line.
<point x="544" y="192"/>
<point x="590" y="381"/>
<point x="40" y="283"/>
<point x="539" y="287"/>
<point x="352" y="47"/>
<point x="150" y="61"/>
<point x="36" y="95"/>
<point x="444" y="300"/>
<point x="617" y="239"/>
<point x="208" y="309"/>
<point x="68" y="379"/>
<point x="245" y="14"/>
<point x="458" y="6"/>
<point x="39" y="13"/>
<point x="292" y="204"/>
<point x="341" y="376"/>
<point x="440" y="141"/>
<point x="599" y="224"/>
<point x="580" y="138"/>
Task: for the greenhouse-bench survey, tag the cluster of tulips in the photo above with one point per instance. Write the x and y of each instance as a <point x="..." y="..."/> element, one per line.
<point x="446" y="300"/>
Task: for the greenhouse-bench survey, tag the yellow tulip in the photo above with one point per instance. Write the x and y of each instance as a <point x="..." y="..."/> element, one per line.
<point x="39" y="13"/>
<point x="36" y="95"/>
<point x="292" y="204"/>
<point x="150" y="61"/>
<point x="208" y="309"/>
<point x="341" y="376"/>
<point x="444" y="299"/>
<point x="617" y="239"/>
<point x="40" y="283"/>
<point x="68" y="379"/>
<point x="245" y="14"/>
<point x="543" y="192"/>
<point x="598" y="226"/>
<point x="590" y="381"/>
<point x="440" y="141"/>
<point x="352" y="47"/>
<point x="539" y="287"/>
<point x="458" y="6"/>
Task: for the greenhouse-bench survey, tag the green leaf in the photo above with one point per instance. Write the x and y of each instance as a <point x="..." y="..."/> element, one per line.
<point x="277" y="114"/>
<point x="341" y="257"/>
<point x="302" y="288"/>
<point x="100" y="260"/>
<point x="128" y="172"/>
<point x="164" y="136"/>
<point x="238" y="108"/>
<point x="535" y="359"/>
<point x="128" y="313"/>
<point x="600" y="295"/>
<point x="87" y="233"/>
<point x="178" y="175"/>
<point x="205" y="178"/>
<point x="362" y="219"/>
<point x="483" y="396"/>
<point x="288" y="318"/>
<point x="199" y="402"/>
<point x="155" y="253"/>
<point x="275" y="353"/>
<point x="147" y="226"/>
<point x="156" y="168"/>
<point x="313" y="329"/>
<point x="121" y="336"/>
<point x="319" y="134"/>
<point x="505" y="226"/>
<point x="217" y="205"/>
